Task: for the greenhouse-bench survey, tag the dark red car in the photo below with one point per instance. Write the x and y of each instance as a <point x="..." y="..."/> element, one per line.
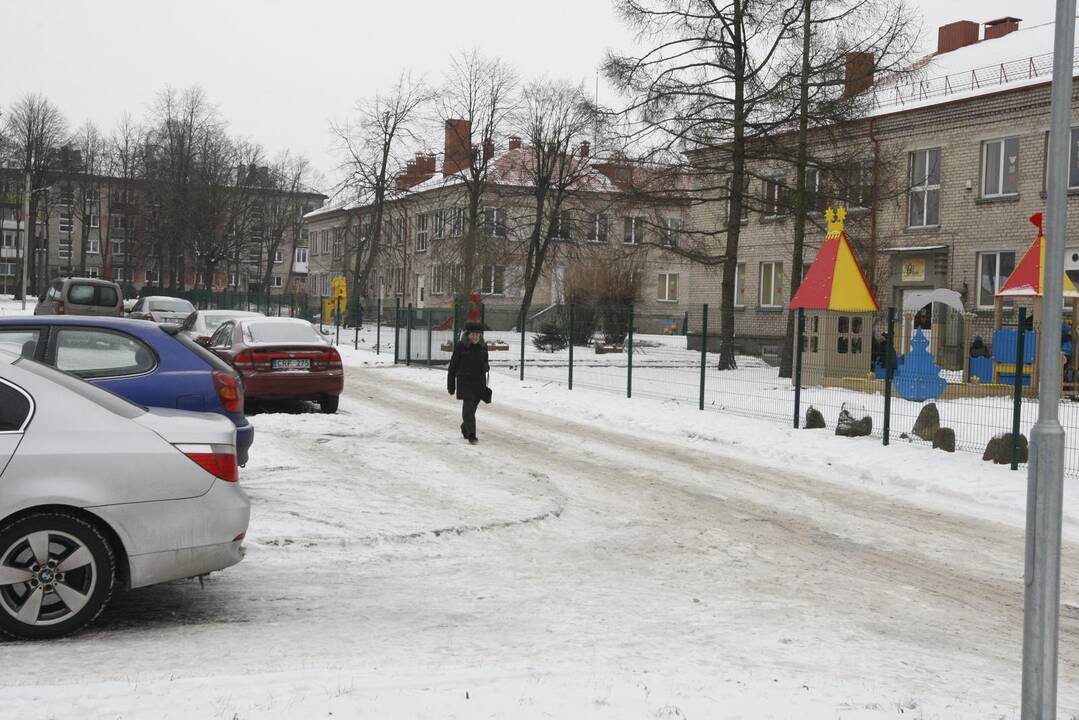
<point x="281" y="359"/>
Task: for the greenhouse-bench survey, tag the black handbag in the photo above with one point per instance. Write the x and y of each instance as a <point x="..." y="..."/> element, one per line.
<point x="486" y="395"/>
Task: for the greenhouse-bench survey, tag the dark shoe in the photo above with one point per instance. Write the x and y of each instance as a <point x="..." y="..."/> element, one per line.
<point x="473" y="441"/>
<point x="464" y="433"/>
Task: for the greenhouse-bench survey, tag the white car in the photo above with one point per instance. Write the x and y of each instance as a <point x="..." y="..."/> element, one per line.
<point x="96" y="491"/>
<point x="161" y="309"/>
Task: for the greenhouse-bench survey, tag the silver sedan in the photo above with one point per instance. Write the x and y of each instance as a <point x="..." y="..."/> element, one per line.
<point x="97" y="492"/>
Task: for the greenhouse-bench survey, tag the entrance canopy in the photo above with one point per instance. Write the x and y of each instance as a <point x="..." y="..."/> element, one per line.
<point x="917" y="299"/>
<point x="835" y="281"/>
<point x="1028" y="278"/>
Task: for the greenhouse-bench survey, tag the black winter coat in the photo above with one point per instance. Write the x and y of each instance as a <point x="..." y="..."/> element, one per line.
<point x="468" y="370"/>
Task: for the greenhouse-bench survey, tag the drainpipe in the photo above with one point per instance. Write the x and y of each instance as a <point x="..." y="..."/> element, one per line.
<point x="873" y="208"/>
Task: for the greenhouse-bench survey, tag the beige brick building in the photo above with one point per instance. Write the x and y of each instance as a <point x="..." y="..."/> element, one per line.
<point x="961" y="160"/>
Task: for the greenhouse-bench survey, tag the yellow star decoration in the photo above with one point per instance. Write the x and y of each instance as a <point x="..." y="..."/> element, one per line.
<point x="835" y="219"/>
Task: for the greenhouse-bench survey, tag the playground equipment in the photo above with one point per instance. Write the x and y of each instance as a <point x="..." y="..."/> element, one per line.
<point x="839" y="309"/>
<point x="1026" y="283"/>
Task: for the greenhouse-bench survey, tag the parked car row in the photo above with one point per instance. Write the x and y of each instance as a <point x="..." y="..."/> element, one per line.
<point x="120" y="441"/>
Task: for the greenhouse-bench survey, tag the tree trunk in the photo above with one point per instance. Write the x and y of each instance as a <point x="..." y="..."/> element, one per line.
<point x="786" y="360"/>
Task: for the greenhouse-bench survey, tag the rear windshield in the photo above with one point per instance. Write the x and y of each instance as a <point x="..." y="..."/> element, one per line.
<point x="97" y="295"/>
<point x="99" y="396"/>
<point x="280" y="332"/>
<point x="172" y="306"/>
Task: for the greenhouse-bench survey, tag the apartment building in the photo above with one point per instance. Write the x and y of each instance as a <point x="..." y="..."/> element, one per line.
<point x="604" y="219"/>
<point x="959" y="161"/>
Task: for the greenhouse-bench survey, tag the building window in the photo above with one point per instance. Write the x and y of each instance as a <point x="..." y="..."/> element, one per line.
<point x="813" y="195"/>
<point x="421" y="233"/>
<point x="1000" y="167"/>
<point x="63" y="250"/>
<point x="278" y="258"/>
<point x="301" y="255"/>
<point x="234" y="279"/>
<point x="740" y="285"/>
<point x="993" y="270"/>
<point x="277" y="281"/>
<point x="849" y="335"/>
<point x="65" y="219"/>
<point x="492" y="280"/>
<point x="771" y="284"/>
<point x="457" y="222"/>
<point x="117" y="248"/>
<point x="632" y="230"/>
<point x="857" y="184"/>
<point x="438" y="279"/>
<point x="202" y="279"/>
<point x="314" y="243"/>
<point x="121" y="274"/>
<point x="774" y="197"/>
<point x="667" y="289"/>
<point x="438" y="222"/>
<point x="9" y="241"/>
<point x="494" y="222"/>
<point x="93" y="272"/>
<point x="93" y="247"/>
<point x="563" y="226"/>
<point x="151" y="277"/>
<point x="597" y="228"/>
<point x="7" y="269"/>
<point x="338" y="242"/>
<point x="672" y="229"/>
<point x="924" y="188"/>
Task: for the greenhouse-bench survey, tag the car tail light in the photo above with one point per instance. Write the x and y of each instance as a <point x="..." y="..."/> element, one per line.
<point x="244" y="361"/>
<point x="218" y="460"/>
<point x="229" y="391"/>
<point x="333" y="358"/>
<point x="59" y="307"/>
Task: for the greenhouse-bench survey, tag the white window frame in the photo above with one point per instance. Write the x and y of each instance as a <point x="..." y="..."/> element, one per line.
<point x="998" y="278"/>
<point x="93" y="246"/>
<point x="301" y="255"/>
<point x="493" y="280"/>
<point x="338" y="247"/>
<point x="563" y="223"/>
<point x="278" y="257"/>
<point x="10" y="269"/>
<point x="438" y="218"/>
<point x="923" y="187"/>
<point x="421" y="233"/>
<point x="664" y="285"/>
<point x="672" y="229"/>
<point x="151" y="277"/>
<point x="776" y="288"/>
<point x="740" y="284"/>
<point x="774" y="202"/>
<point x="635" y="229"/>
<point x="1002" y="144"/>
<point x="494" y="222"/>
<point x="93" y="272"/>
<point x="457" y="222"/>
<point x="234" y="279"/>
<point x="599" y="228"/>
<point x="276" y="281"/>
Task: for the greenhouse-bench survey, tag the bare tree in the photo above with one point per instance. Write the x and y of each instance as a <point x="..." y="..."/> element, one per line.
<point x="282" y="209"/>
<point x="36" y="130"/>
<point x="118" y="226"/>
<point x="476" y="102"/>
<point x="373" y="144"/>
<point x="556" y="120"/>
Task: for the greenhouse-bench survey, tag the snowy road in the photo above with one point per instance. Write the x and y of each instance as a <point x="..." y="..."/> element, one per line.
<point x="565" y="567"/>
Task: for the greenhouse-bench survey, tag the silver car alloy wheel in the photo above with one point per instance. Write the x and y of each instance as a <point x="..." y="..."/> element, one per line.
<point x="46" y="577"/>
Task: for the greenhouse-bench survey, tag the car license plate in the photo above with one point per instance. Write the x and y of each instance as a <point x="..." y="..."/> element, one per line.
<point x="291" y="364"/>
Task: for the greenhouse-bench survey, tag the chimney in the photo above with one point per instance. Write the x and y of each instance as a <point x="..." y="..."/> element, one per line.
<point x="488" y="149"/>
<point x="584" y="149"/>
<point x="956" y="35"/>
<point x="425" y="164"/>
<point x="1001" y="27"/>
<point x="859" y="73"/>
<point x="458" y="147"/>
<point x="515" y="142"/>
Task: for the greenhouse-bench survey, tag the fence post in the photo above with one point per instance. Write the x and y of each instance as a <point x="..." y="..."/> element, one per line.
<point x="336" y="319"/>
<point x="524" y="314"/>
<point x="890" y="360"/>
<point x="428" y="313"/>
<point x="629" y="356"/>
<point x="483" y="315"/>
<point x="1017" y="403"/>
<point x="378" y="329"/>
<point x="408" y="336"/>
<point x="356" y="336"/>
<point x="396" y="324"/>
<point x="704" y="350"/>
<point x="321" y="305"/>
<point x="800" y="328"/>
<point x="571" y="308"/>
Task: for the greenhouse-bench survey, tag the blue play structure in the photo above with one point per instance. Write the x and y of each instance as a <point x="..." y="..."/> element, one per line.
<point x="918" y="376"/>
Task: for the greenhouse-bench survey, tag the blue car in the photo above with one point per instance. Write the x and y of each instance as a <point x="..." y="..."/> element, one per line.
<point x="146" y="363"/>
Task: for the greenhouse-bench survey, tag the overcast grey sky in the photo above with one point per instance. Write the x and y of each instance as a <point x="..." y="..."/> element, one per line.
<point x="279" y="70"/>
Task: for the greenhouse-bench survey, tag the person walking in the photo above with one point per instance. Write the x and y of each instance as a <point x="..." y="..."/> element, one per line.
<point x="467" y="376"/>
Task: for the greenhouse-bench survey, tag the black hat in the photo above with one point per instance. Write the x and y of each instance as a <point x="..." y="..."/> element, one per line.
<point x="471" y="327"/>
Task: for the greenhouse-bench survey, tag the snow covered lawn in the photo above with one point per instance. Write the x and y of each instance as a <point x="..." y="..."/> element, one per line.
<point x="592" y="557"/>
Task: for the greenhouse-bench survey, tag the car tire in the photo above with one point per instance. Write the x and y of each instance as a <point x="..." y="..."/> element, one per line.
<point x="328" y="404"/>
<point x="70" y="587"/>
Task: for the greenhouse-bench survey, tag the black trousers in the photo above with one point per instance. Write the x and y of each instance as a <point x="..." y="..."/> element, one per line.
<point x="468" y="415"/>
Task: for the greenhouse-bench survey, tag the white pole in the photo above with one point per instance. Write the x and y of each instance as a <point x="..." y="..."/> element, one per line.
<point x="1045" y="472"/>
<point x="27" y="223"/>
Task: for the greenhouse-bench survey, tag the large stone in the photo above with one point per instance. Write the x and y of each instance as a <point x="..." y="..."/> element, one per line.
<point x="850" y="427"/>
<point x="999" y="449"/>
<point x="814" y="419"/>
<point x="944" y="438"/>
<point x="928" y="422"/>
